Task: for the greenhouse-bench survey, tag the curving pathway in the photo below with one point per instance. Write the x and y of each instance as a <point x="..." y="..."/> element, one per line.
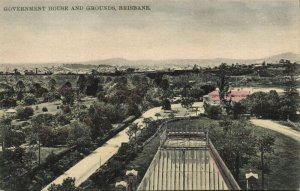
<point x="269" y="124"/>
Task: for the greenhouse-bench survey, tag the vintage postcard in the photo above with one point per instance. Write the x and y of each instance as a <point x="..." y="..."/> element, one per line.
<point x="149" y="95"/>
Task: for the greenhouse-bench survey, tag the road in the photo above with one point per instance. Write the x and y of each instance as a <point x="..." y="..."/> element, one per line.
<point x="87" y="166"/>
<point x="269" y="124"/>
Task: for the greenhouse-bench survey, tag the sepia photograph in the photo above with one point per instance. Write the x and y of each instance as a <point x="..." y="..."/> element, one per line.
<point x="140" y="95"/>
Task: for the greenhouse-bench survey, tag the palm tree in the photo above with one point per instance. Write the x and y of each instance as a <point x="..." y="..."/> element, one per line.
<point x="171" y="115"/>
<point x="157" y="115"/>
<point x="133" y="129"/>
<point x="265" y="144"/>
<point x="196" y="110"/>
<point x="147" y="121"/>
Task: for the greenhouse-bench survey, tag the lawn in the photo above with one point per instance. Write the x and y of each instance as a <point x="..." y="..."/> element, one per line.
<point x="45" y="151"/>
<point x="285" y="162"/>
<point x="290" y="125"/>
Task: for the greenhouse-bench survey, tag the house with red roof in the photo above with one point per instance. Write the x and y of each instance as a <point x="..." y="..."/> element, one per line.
<point x="213" y="98"/>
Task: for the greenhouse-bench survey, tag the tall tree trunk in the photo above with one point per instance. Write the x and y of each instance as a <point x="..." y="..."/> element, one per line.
<point x="262" y="170"/>
<point x="3" y="145"/>
<point x="237" y="166"/>
<point x="39" y="152"/>
<point x="4" y="130"/>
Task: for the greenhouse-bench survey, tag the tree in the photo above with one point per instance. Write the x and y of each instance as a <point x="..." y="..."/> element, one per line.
<point x="157" y="115"/>
<point x="29" y="99"/>
<point x="67" y="185"/>
<point x="187" y="102"/>
<point x="147" y="121"/>
<point x="79" y="135"/>
<point x="14" y="164"/>
<point x="8" y="102"/>
<point x="164" y="84"/>
<point x="38" y="90"/>
<point x="50" y="136"/>
<point x="92" y="86"/>
<point x="223" y="88"/>
<point x="171" y="115"/>
<point x="213" y="111"/>
<point x="196" y="110"/>
<point x="186" y="90"/>
<point x="51" y="96"/>
<point x="5" y="124"/>
<point x="20" y="89"/>
<point x="43" y="119"/>
<point x="98" y="123"/>
<point x="24" y="113"/>
<point x="196" y="93"/>
<point x="208" y="88"/>
<point x="52" y="84"/>
<point x="223" y="85"/>
<point x="133" y="129"/>
<point x="7" y="91"/>
<point x="238" y="109"/>
<point x="289" y="102"/>
<point x="67" y="92"/>
<point x="166" y="104"/>
<point x="16" y="72"/>
<point x="14" y="137"/>
<point x="258" y="104"/>
<point x="44" y="109"/>
<point x="133" y="109"/>
<point x="273" y="101"/>
<point x="81" y="83"/>
<point x="236" y="145"/>
<point x="265" y="145"/>
<point x="288" y="107"/>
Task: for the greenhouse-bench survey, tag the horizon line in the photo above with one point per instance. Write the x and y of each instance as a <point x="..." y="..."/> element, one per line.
<point x="149" y="59"/>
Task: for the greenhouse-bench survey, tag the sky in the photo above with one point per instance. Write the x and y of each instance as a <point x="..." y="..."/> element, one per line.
<point x="186" y="29"/>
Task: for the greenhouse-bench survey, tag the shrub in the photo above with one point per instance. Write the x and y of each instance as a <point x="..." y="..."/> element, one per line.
<point x="15" y="138"/>
<point x="67" y="185"/>
<point x="79" y="135"/>
<point x="51" y="137"/>
<point x="29" y="99"/>
<point x="66" y="109"/>
<point x="24" y="113"/>
<point x="45" y="109"/>
<point x="166" y="104"/>
<point x="213" y="112"/>
<point x="8" y="102"/>
<point x="62" y="119"/>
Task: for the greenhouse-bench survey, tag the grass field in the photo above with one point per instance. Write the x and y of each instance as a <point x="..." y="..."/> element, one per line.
<point x="284" y="163"/>
<point x="45" y="151"/>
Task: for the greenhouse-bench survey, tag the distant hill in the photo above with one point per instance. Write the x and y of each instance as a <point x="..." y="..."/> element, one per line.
<point x="288" y="56"/>
<point x="190" y="62"/>
<point x="119" y="62"/>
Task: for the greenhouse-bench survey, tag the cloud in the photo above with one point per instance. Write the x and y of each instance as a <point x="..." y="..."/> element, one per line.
<point x="173" y="28"/>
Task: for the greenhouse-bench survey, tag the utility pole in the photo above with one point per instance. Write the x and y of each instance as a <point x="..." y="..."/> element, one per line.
<point x="39" y="152"/>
